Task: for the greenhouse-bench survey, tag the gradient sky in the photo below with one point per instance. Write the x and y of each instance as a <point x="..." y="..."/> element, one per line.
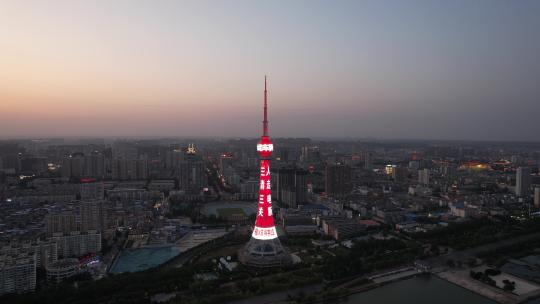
<point x="382" y="69"/>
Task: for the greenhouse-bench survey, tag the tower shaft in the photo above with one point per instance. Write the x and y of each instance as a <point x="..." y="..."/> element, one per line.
<point x="264" y="248"/>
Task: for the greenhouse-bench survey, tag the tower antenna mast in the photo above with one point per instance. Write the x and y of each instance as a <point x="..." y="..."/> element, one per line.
<point x="265" y="121"/>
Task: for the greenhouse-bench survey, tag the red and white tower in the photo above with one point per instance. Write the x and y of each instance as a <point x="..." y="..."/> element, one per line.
<point x="264" y="249"/>
<point x="264" y="224"/>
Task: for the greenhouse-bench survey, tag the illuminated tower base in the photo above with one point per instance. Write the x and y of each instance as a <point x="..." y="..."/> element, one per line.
<point x="264" y="254"/>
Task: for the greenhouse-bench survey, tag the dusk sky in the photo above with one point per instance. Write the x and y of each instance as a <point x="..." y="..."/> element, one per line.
<point x="366" y="69"/>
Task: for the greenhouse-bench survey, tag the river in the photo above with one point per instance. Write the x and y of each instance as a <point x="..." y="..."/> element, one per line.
<point x="425" y="289"/>
<point x="418" y="290"/>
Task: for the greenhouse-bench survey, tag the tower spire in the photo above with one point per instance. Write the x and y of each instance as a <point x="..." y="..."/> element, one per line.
<point x="265" y="121"/>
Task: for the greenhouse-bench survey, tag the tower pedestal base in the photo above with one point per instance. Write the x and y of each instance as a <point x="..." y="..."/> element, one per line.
<point x="264" y="254"/>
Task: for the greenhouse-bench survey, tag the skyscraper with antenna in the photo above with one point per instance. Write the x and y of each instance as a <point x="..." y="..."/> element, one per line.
<point x="264" y="248"/>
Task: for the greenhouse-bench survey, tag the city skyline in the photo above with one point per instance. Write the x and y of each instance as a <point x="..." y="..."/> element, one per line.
<point x="205" y="151"/>
<point x="389" y="70"/>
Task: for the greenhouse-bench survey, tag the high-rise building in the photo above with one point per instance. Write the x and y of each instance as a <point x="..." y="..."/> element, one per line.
<point x="309" y="153"/>
<point x="124" y="150"/>
<point x="264" y="248"/>
<point x="64" y="222"/>
<point x="92" y="190"/>
<point x="291" y="186"/>
<point x="191" y="171"/>
<point x="338" y="180"/>
<point x="119" y="169"/>
<point x="31" y="164"/>
<point x="73" y="166"/>
<point x="129" y="169"/>
<point x="46" y="252"/>
<point x="11" y="162"/>
<point x="423" y="177"/>
<point x="94" y="165"/>
<point x="78" y="165"/>
<point x="448" y="169"/>
<point x="76" y="243"/>
<point x="173" y="158"/>
<point x="225" y="160"/>
<point x="537" y="197"/>
<point x="516" y="159"/>
<point x="250" y="187"/>
<point x="399" y="173"/>
<point x="141" y="166"/>
<point x="91" y="213"/>
<point x="17" y="273"/>
<point x="523" y="181"/>
<point x="414" y="165"/>
<point x="368" y="161"/>
<point x="284" y="155"/>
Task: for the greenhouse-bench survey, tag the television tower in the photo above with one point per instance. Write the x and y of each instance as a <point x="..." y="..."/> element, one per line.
<point x="264" y="248"/>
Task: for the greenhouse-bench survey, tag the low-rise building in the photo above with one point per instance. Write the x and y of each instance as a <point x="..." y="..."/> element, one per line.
<point x="298" y="224"/>
<point x="341" y="228"/>
<point x="62" y="269"/>
<point x="391" y="215"/>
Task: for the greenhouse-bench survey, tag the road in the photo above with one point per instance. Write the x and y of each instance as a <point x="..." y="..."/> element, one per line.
<point x="463" y="255"/>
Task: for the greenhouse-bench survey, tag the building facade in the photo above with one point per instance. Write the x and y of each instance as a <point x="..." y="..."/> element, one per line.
<point x="17" y="273"/>
<point x="338" y="180"/>
<point x="523" y="181"/>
